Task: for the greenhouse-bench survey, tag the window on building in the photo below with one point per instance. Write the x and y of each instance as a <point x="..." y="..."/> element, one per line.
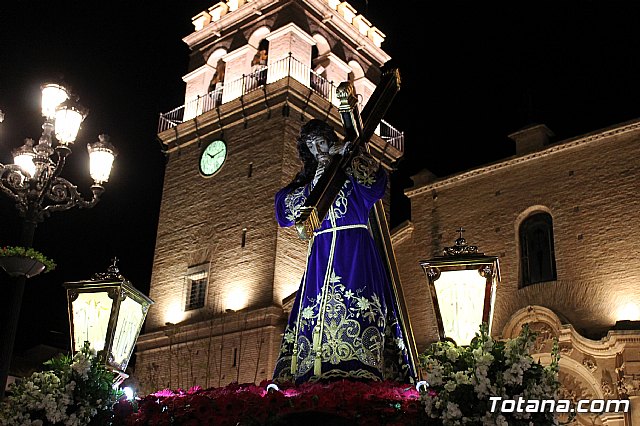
<point x="196" y="286"/>
<point x="537" y="256"/>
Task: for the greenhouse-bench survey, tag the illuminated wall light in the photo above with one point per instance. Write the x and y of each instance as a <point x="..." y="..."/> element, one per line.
<point x="347" y="11"/>
<point x="362" y="24"/>
<point x="175" y="312"/>
<point x="201" y="20"/>
<point x="376" y="36"/>
<point x="237" y="297"/>
<point x="629" y="312"/>
<point x="218" y="10"/>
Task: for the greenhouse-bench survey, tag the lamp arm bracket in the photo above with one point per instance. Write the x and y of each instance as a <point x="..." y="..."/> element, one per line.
<point x="64" y="196"/>
<point x="62" y="152"/>
<point x="12" y="181"/>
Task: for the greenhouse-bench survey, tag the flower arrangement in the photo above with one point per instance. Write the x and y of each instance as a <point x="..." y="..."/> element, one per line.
<point x="463" y="378"/>
<point x="18" y="251"/>
<point x="343" y="402"/>
<point x="74" y="391"/>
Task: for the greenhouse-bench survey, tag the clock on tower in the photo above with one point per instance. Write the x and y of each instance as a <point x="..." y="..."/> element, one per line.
<point x="212" y="157"/>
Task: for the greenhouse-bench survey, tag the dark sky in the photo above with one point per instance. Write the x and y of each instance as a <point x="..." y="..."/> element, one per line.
<point x="471" y="74"/>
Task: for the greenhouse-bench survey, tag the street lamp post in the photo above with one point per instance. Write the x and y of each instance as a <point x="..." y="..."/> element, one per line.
<point x="34" y="184"/>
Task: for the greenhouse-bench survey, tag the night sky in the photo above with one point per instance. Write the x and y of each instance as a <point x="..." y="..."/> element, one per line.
<point x="472" y="73"/>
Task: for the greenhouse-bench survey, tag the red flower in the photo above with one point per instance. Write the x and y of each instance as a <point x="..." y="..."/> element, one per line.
<point x="357" y="402"/>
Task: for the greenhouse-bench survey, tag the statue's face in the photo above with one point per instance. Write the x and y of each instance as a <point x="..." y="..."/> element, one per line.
<point x="319" y="147"/>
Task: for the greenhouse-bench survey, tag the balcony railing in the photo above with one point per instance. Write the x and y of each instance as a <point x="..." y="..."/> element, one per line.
<point x="287" y="67"/>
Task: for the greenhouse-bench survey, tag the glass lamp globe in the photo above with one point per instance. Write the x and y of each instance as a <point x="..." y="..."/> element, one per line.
<point x="23" y="157"/>
<point x="67" y="123"/>
<point x="52" y="96"/>
<point x="101" y="156"/>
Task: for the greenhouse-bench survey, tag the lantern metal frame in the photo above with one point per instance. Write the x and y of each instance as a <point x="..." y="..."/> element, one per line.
<point x="117" y="289"/>
<point x="460" y="257"/>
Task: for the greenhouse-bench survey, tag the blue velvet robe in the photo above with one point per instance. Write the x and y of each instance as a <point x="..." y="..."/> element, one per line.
<point x="344" y="321"/>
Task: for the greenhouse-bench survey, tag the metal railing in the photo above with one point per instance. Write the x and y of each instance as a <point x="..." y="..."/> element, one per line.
<point x="286" y="67"/>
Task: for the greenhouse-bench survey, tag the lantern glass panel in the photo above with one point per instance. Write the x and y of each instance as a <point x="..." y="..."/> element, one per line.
<point x="461" y="297"/>
<point x="91" y="314"/>
<point x="130" y="320"/>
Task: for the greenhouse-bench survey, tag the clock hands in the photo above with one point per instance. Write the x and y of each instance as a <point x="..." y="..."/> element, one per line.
<point x="215" y="155"/>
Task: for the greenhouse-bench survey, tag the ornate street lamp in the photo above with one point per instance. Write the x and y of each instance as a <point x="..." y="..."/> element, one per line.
<point x="34" y="184"/>
<point x="462" y="284"/>
<point x="108" y="312"/>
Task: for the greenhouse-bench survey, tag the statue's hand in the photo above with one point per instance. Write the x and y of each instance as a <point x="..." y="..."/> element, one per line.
<point x="319" y="172"/>
<point x="339" y="147"/>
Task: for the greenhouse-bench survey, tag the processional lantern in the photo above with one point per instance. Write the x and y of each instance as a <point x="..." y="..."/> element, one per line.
<point x="108" y="312"/>
<point x="462" y="283"/>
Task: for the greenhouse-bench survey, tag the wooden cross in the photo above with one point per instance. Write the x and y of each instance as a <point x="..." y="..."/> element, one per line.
<point x="323" y="195"/>
<point x="326" y="190"/>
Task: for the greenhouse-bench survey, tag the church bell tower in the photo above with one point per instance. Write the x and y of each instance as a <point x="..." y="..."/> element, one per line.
<point x="224" y="274"/>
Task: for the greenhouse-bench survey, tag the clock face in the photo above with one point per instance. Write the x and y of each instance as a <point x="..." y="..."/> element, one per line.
<point x="212" y="158"/>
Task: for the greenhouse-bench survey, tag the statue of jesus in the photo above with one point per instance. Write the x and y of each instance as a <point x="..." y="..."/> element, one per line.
<point x="344" y="322"/>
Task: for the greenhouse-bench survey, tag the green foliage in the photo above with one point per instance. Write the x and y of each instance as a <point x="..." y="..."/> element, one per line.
<point x="49" y="265"/>
<point x="73" y="391"/>
<point x="463" y="378"/>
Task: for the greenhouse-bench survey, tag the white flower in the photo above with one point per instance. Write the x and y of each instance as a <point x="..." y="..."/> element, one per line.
<point x="462" y="378"/>
<point x="452" y="411"/>
<point x="452" y="354"/>
<point x="434" y="375"/>
<point x="81" y="365"/>
<point x="492" y="369"/>
<point x="501" y="421"/>
<point x="47" y="396"/>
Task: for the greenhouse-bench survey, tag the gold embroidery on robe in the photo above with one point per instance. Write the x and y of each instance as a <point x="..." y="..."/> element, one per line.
<point x="343" y="337"/>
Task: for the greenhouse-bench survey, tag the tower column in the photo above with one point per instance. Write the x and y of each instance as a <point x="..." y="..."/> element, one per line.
<point x="238" y="63"/>
<point x="285" y="41"/>
<point x="337" y="72"/>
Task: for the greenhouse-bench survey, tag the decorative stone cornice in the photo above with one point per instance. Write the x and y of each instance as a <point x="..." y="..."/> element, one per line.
<point x="628" y="127"/>
<point x="402" y="232"/>
<point x="214" y="28"/>
<point x="227" y="324"/>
